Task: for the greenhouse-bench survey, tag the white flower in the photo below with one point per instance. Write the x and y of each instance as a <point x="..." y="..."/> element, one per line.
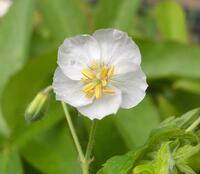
<point x="4" y="6"/>
<point x="98" y="74"/>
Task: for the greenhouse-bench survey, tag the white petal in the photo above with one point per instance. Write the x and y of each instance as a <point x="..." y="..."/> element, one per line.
<point x="125" y="67"/>
<point x="117" y="47"/>
<point x="77" y="53"/>
<point x="108" y="104"/>
<point x="69" y="91"/>
<point x="132" y="85"/>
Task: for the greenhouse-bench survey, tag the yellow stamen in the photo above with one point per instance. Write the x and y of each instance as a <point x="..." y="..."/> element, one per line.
<point x="103" y="82"/>
<point x="84" y="80"/>
<point x="89" y="87"/>
<point x="104" y="72"/>
<point x="108" y="91"/>
<point x="88" y="73"/>
<point x="98" y="91"/>
<point x="111" y="72"/>
<point x="94" y="66"/>
<point x="90" y="94"/>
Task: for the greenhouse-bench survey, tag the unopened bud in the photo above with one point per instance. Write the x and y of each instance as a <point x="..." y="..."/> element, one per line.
<point x="36" y="109"/>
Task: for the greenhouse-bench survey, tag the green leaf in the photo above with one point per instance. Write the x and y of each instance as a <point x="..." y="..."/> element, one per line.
<point x="53" y="152"/>
<point x="40" y="143"/>
<point x="14" y="42"/>
<point x="118" y="14"/>
<point x="163" y="163"/>
<point x="132" y="123"/>
<point x="159" y="153"/>
<point x="184" y="121"/>
<point x="165" y="107"/>
<point x="184" y="168"/>
<point x="20" y="90"/>
<point x="184" y="153"/>
<point x="10" y="163"/>
<point x="63" y="17"/>
<point x="106" y="13"/>
<point x="187" y="85"/>
<point x="118" y="165"/>
<point x="126" y="13"/>
<point x="144" y="168"/>
<point x="170" y="60"/>
<point x="171" y="21"/>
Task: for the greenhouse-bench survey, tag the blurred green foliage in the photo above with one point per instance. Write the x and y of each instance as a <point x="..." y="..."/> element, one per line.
<point x="29" y="37"/>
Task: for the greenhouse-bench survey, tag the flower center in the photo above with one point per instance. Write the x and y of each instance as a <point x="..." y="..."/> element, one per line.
<point x="96" y="79"/>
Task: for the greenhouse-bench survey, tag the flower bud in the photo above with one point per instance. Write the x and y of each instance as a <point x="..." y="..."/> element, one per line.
<point x="36" y="109"/>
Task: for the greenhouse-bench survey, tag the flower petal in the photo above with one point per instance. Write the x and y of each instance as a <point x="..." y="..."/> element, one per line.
<point x="125" y="67"/>
<point x="117" y="47"/>
<point x="108" y="104"/>
<point x="77" y="53"/>
<point x="69" y="91"/>
<point x="132" y="85"/>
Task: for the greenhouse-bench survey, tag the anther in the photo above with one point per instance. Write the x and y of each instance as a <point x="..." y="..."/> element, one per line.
<point x="103" y="82"/>
<point x="84" y="80"/>
<point x="98" y="91"/>
<point x="111" y="72"/>
<point x="104" y="72"/>
<point x="108" y="91"/>
<point x="94" y="66"/>
<point x="90" y="93"/>
<point x="88" y="73"/>
<point x="89" y="87"/>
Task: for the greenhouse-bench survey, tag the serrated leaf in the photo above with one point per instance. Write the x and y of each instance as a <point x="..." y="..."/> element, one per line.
<point x="118" y="165"/>
<point x="144" y="168"/>
<point x="184" y="121"/>
<point x="184" y="168"/>
<point x="163" y="163"/>
<point x="185" y="152"/>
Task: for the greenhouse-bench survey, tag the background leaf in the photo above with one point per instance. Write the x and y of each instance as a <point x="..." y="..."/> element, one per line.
<point x="119" y="14"/>
<point x="14" y="43"/>
<point x="63" y="17"/>
<point x="10" y="163"/>
<point x="132" y="123"/>
<point x="171" y="21"/>
<point x="170" y="59"/>
<point x="58" y="156"/>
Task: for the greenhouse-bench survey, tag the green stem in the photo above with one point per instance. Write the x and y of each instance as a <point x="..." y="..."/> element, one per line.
<point x="48" y="89"/>
<point x="83" y="162"/>
<point x="194" y="125"/>
<point x="91" y="141"/>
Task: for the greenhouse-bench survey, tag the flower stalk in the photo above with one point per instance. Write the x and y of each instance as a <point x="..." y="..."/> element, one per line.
<point x="84" y="159"/>
<point x="91" y="141"/>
